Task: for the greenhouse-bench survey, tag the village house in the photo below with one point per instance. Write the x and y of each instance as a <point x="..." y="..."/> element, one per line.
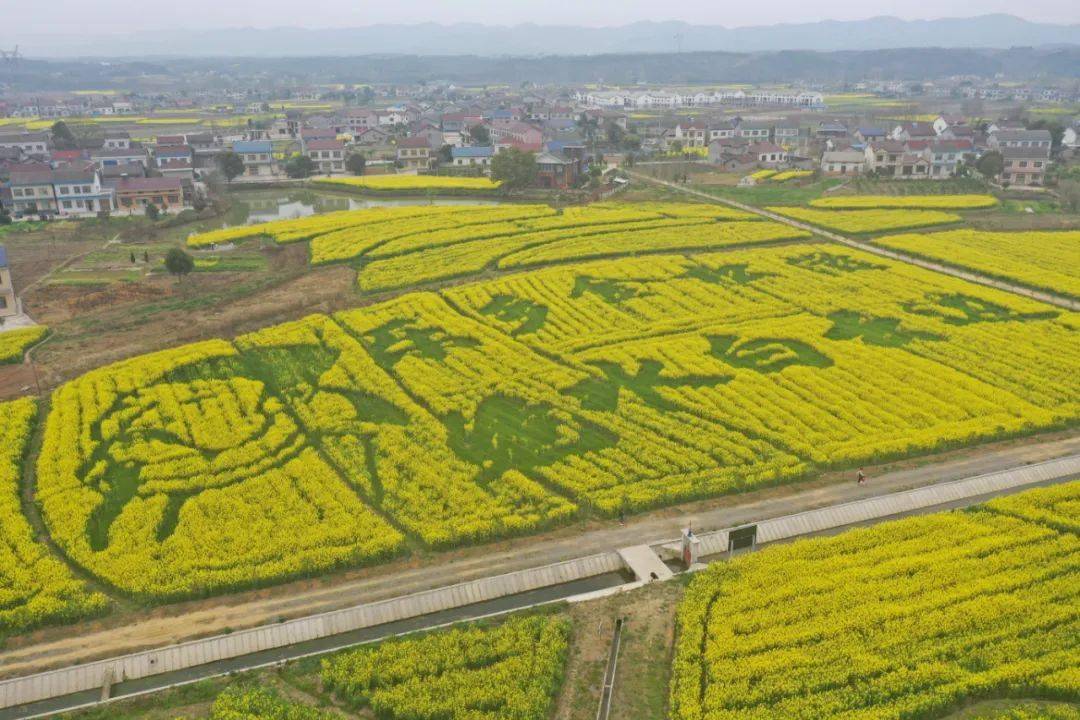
<point x="946" y="157"/>
<point x="480" y="155"/>
<point x="175" y="161"/>
<point x="8" y="304"/>
<point x="724" y="130"/>
<point x="883" y="156"/>
<point x="116" y="140"/>
<point x="372" y="136"/>
<point x="870" y="134"/>
<point x="785" y="133"/>
<point x="906" y="131"/>
<point x="767" y="153"/>
<point x="414" y="153"/>
<point x="258" y="157"/>
<point x="554" y="172"/>
<point x="32" y="191"/>
<point x="1024" y="165"/>
<point x="107" y="157"/>
<point x="691" y="134"/>
<point x="843" y="162"/>
<point x="31" y="145"/>
<point x="328" y="155"/>
<point x="1028" y="139"/>
<point x="517" y="134"/>
<point x="755" y="132"/>
<point x="945" y="121"/>
<point x="79" y="192"/>
<point x="134" y="194"/>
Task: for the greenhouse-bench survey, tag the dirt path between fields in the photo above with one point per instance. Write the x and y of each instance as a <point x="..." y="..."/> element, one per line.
<point x="974" y="277"/>
<point x="126" y="632"/>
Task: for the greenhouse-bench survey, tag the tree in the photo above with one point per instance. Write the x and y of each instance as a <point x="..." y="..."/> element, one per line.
<point x="152" y="212"/>
<point x="230" y="164"/>
<point x="615" y="133"/>
<point x="676" y="147"/>
<point x="5" y="217"/>
<point x="356" y="163"/>
<point x="1069" y="190"/>
<point x="299" y="166"/>
<point x="990" y="165"/>
<point x="178" y="262"/>
<point x="446" y="154"/>
<point x="1057" y="131"/>
<point x="62" y="136"/>
<point x="515" y="168"/>
<point x="480" y="135"/>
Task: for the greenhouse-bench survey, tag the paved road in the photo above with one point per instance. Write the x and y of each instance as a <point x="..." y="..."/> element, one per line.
<point x="1048" y="298"/>
<point x="186" y="621"/>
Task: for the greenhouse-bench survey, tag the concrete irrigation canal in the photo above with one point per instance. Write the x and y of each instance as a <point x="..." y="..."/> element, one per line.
<point x="47" y="693"/>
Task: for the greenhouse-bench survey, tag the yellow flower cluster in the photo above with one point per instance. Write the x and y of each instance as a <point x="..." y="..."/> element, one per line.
<point x="504" y="407"/>
<point x="14" y="343"/>
<point x="763" y="174"/>
<point x="255" y="703"/>
<point x="1044" y="260"/>
<point x="867" y="221"/>
<point x="790" y="175"/>
<point x="909" y="619"/>
<point x="35" y="587"/>
<point x="931" y="202"/>
<point x="1032" y="711"/>
<point x="411" y="183"/>
<point x="508" y="672"/>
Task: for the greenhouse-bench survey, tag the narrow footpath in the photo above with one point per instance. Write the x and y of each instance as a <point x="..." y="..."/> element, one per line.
<point x="1045" y="297"/>
<point x="82" y="643"/>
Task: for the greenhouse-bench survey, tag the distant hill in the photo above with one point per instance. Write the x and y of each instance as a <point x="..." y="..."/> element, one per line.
<point x="426" y="39"/>
<point x="659" y="68"/>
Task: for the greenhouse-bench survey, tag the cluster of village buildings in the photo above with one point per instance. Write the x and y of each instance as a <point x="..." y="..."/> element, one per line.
<point x="906" y="150"/>
<point x="112" y="172"/>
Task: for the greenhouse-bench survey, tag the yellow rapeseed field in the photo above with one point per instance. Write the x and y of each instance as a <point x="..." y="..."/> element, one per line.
<point x="515" y="404"/>
<point x="411" y="183"/>
<point x="929" y="202"/>
<point x="1045" y="260"/>
<point x="867" y="221"/>
<point x="13" y="343"/>
<point x="909" y="619"/>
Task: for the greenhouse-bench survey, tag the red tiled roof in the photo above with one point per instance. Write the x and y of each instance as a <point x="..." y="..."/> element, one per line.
<point x="324" y="144"/>
<point x="154" y="184"/>
<point x="416" y="141"/>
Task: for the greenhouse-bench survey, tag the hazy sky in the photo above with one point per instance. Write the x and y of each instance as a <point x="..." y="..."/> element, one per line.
<point x="123" y="15"/>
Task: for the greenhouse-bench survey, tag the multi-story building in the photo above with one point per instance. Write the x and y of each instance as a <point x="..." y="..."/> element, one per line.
<point x="327" y="154"/>
<point x="472" y="156"/>
<point x="32" y="192"/>
<point x="134" y="194"/>
<point x="1027" y="139"/>
<point x="258" y="157"/>
<point x="414" y="153"/>
<point x="31" y="145"/>
<point x="8" y="305"/>
<point x="1024" y="165"/>
<point x="80" y="193"/>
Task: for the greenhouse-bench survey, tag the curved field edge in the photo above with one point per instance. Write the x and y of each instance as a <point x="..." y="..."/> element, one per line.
<point x="913" y="618"/>
<point x="36" y="588"/>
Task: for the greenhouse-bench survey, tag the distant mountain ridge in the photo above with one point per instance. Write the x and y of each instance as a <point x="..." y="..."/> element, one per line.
<point x="426" y="39"/>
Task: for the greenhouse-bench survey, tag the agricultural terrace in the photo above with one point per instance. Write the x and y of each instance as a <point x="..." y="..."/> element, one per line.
<point x="859" y="222"/>
<point x="35" y="587"/>
<point x="909" y="619"/>
<point x="509" y="672"/>
<point x="398" y="184"/>
<point x="513" y="405"/>
<point x="927" y="202"/>
<point x="14" y="343"/>
<point x="786" y="175"/>
<point x="1044" y="260"/>
<point x="397" y="248"/>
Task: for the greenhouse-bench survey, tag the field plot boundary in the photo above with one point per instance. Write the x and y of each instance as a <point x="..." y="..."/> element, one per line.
<point x="57" y="683"/>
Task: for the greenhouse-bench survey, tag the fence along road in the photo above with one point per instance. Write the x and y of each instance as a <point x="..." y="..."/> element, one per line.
<point x="1048" y="298"/>
<point x="50" y="692"/>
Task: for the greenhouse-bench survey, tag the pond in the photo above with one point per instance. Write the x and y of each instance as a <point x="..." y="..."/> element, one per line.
<point x="260" y="206"/>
